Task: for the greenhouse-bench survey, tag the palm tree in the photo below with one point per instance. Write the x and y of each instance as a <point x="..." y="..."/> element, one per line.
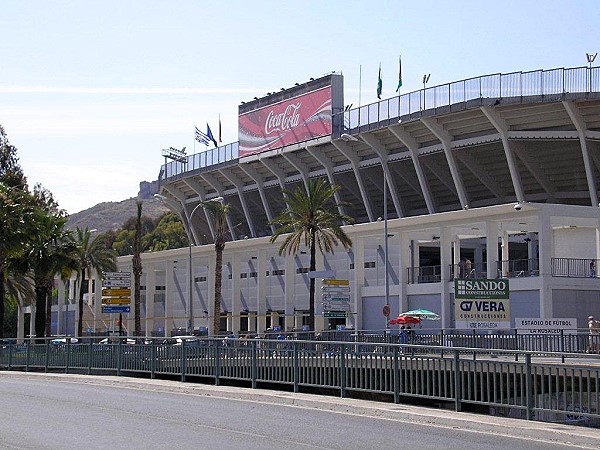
<point x="309" y="221"/>
<point x="91" y="254"/>
<point x="136" y="265"/>
<point x="51" y="251"/>
<point x="218" y="211"/>
<point x="17" y="219"/>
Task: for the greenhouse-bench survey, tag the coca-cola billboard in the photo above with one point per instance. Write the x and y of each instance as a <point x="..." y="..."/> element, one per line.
<point x="297" y="119"/>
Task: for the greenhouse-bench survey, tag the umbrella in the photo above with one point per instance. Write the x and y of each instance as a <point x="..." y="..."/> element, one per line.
<point x="422" y="314"/>
<point x="405" y="320"/>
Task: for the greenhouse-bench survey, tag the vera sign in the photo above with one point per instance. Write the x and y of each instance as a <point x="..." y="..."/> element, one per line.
<point x="481" y="304"/>
<point x="295" y="120"/>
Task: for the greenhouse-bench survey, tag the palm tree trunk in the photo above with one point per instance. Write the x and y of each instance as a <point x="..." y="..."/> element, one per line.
<point x="48" y="309"/>
<point x="40" y="310"/>
<point x="313" y="267"/>
<point x="80" y="304"/>
<point x="2" y="297"/>
<point x="219" y="246"/>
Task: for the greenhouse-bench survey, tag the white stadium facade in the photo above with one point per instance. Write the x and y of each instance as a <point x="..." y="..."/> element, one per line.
<point x="491" y="178"/>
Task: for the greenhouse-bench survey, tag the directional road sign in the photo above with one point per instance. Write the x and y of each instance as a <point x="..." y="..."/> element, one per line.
<point x="116" y="292"/>
<point x="336" y="282"/>
<point x="117" y="275"/>
<point x="115" y="309"/>
<point x="117" y="283"/>
<point x="116" y="300"/>
<point x="336" y="306"/>
<point x="335" y="314"/>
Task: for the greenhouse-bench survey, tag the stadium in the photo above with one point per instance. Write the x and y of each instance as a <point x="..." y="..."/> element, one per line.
<point x="489" y="178"/>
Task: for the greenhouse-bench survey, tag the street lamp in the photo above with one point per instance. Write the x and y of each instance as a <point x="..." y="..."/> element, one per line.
<point x="349" y="138"/>
<point x="168" y="201"/>
<point x="425" y="81"/>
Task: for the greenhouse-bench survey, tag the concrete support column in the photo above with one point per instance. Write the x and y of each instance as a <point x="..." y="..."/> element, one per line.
<point x="505" y="263"/>
<point x="236" y="294"/>
<point x="170" y="296"/>
<point x="60" y="313"/>
<point x="456" y="256"/>
<point x="262" y="289"/>
<point x="445" y="260"/>
<point x="491" y="242"/>
<point x="546" y="249"/>
<point x="403" y="272"/>
<point x="150" y="284"/>
<point x="358" y="247"/>
<point x="20" y="324"/>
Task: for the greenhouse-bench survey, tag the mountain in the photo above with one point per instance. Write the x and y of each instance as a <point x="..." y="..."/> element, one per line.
<point x="112" y="215"/>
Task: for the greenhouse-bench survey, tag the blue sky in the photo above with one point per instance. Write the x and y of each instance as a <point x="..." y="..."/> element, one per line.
<point x="91" y="92"/>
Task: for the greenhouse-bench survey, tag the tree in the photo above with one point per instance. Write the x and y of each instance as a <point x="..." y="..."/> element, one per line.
<point x="51" y="251"/>
<point x="218" y="212"/>
<point x="16" y="230"/>
<point x="136" y="264"/>
<point x="309" y="221"/>
<point x="91" y="254"/>
<point x="14" y="198"/>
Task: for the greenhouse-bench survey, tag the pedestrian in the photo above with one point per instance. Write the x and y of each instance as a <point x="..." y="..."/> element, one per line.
<point x="468" y="268"/>
<point x="594" y="339"/>
<point x="593" y="268"/>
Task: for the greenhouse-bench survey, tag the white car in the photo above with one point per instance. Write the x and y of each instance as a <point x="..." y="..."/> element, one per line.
<point x="63" y="341"/>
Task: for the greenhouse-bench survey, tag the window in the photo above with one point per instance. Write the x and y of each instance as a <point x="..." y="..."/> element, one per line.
<point x="302" y="270"/>
<point x="199" y="279"/>
<point x="243" y="275"/>
<point x="369" y="264"/>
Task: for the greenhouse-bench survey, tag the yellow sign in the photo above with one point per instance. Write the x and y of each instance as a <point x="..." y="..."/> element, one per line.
<point x="337" y="282"/>
<point x="116" y="301"/>
<point x="116" y="292"/>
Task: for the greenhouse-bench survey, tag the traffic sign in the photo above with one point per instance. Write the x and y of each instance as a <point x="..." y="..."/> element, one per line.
<point x="116" y="300"/>
<point x="115" y="309"/>
<point x="336" y="297"/>
<point x="116" y="292"/>
<point x="335" y="314"/>
<point x="117" y="283"/>
<point x="336" y="306"/>
<point x="330" y="288"/>
<point x="117" y="275"/>
<point x="337" y="282"/>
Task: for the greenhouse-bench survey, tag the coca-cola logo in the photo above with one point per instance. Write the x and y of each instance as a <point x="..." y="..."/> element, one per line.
<point x="285" y="120"/>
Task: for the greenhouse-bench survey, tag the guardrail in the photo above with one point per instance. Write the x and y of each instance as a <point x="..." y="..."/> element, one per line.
<point x="511" y="383"/>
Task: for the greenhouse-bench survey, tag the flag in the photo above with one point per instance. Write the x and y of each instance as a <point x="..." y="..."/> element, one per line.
<point x="379" y="84"/>
<point x="220" y="131"/>
<point x="210" y="136"/>
<point x="399" y="73"/>
<point x="201" y="137"/>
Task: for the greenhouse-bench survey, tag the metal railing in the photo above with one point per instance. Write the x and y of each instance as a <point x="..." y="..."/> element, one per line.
<point x="515" y="87"/>
<point x="506" y="382"/>
<point x="574" y="267"/>
<point x="513" y="268"/>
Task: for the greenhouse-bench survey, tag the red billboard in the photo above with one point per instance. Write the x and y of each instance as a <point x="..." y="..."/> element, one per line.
<point x="298" y="119"/>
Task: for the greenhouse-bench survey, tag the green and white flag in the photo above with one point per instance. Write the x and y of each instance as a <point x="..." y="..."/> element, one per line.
<point x="379" y="84"/>
<point x="399" y="73"/>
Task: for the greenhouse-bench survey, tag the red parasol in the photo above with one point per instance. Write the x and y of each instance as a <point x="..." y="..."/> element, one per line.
<point x="405" y="320"/>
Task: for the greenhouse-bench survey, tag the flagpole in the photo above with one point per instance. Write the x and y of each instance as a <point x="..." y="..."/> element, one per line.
<point x="359" y="85"/>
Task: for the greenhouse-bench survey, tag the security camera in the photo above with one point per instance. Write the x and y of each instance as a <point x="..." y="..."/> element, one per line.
<point x="518" y="207"/>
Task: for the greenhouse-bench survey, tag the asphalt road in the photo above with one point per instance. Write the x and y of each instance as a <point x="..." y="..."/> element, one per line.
<point x="40" y="411"/>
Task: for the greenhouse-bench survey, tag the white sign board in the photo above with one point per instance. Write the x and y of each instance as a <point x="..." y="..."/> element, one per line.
<point x="534" y="325"/>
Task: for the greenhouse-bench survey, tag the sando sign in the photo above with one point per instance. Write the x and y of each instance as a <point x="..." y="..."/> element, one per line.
<point x="481" y="304"/>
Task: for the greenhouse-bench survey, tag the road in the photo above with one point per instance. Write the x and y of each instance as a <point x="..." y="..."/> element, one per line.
<point x="85" y="412"/>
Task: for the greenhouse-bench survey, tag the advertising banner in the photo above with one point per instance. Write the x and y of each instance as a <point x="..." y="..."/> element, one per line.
<point x="298" y="119"/>
<point x="482" y="304"/>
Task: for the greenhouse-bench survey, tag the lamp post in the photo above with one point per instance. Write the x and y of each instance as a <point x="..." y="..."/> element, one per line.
<point x="349" y="138"/>
<point x="166" y="200"/>
<point x="590" y="59"/>
<point x="425" y="81"/>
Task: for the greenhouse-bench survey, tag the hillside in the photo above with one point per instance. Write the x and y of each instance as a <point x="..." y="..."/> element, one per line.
<point x="112" y="215"/>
